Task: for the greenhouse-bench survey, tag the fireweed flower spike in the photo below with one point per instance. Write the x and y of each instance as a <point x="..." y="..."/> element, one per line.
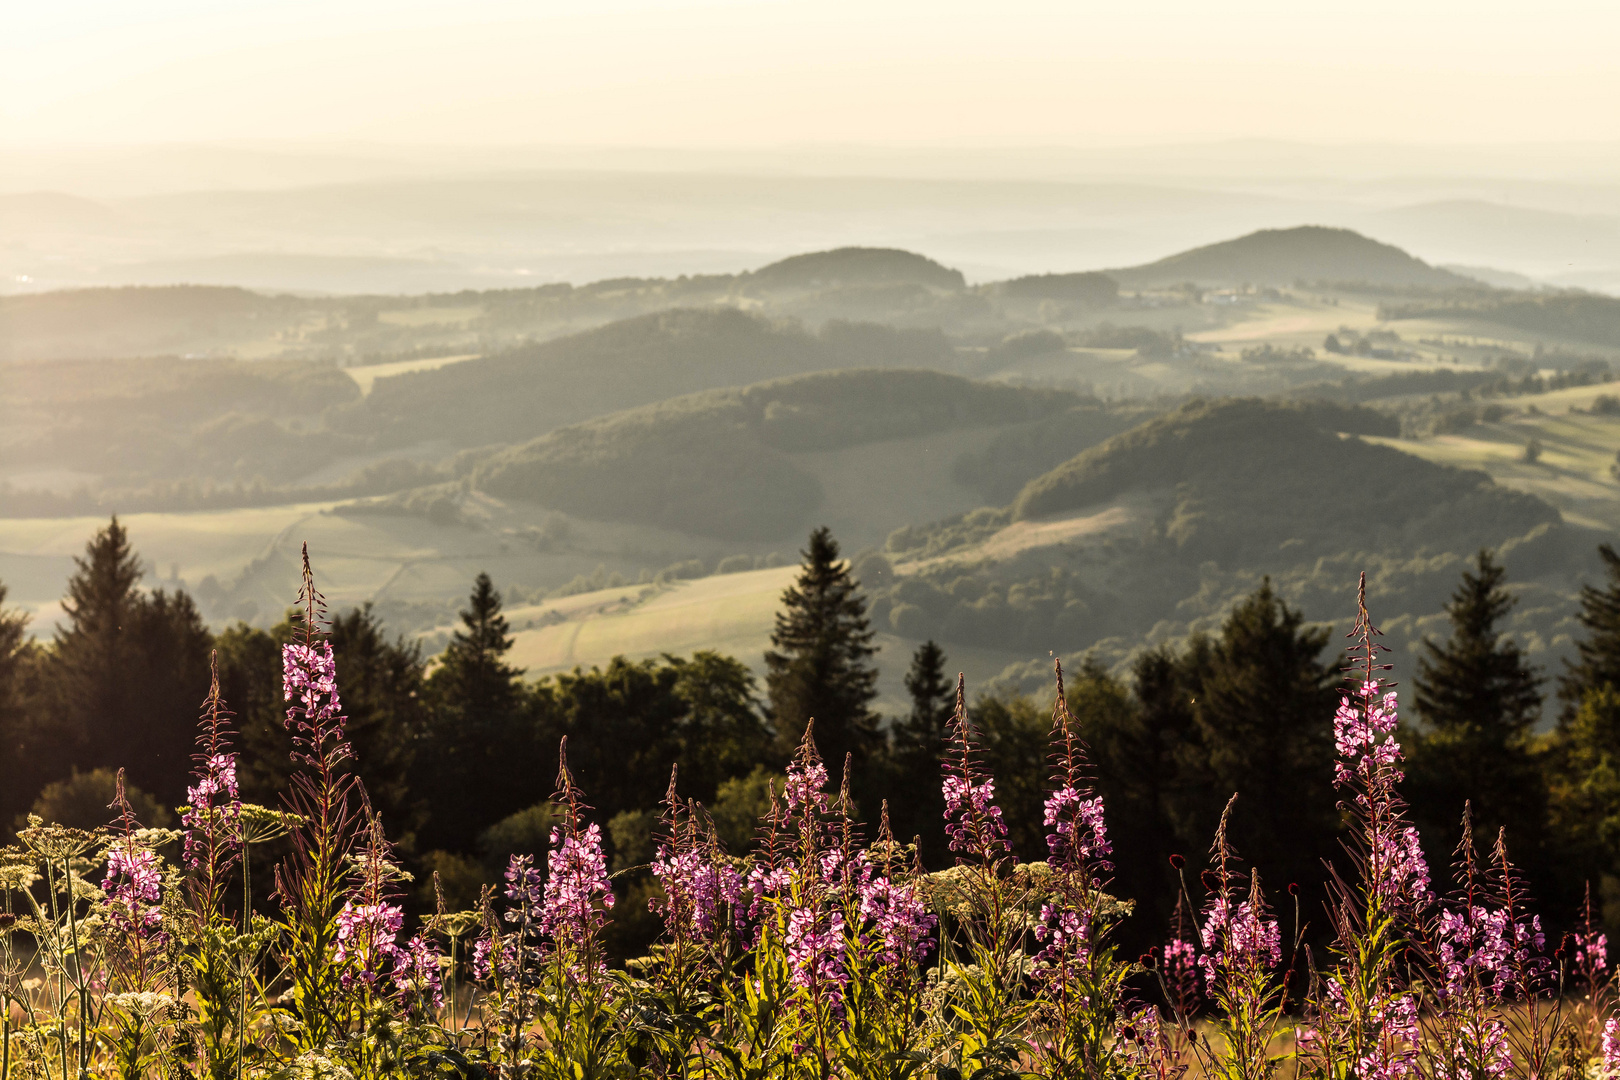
<point x="326" y="798"/>
<point x="1366" y="1018"/>
<point x="577" y="887"/>
<point x="972" y="821"/>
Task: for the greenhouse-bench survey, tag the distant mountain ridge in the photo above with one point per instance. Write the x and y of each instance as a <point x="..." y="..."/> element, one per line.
<point x="1311" y="253"/>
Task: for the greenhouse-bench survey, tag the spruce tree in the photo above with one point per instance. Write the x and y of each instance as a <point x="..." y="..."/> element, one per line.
<point x="130" y="669"/>
<point x="1598" y="662"/>
<point x="1478" y="700"/>
<point x="479" y="751"/>
<point x="818" y="668"/>
<point x="916" y="804"/>
<point x="1263" y="727"/>
<point x="20" y="759"/>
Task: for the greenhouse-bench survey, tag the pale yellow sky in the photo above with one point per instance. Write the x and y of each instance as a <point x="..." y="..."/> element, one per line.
<point x="755" y="73"/>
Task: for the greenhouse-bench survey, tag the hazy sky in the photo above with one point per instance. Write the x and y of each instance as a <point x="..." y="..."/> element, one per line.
<point x="760" y="73"/>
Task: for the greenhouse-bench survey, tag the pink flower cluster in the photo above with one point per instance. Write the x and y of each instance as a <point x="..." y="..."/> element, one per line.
<point x="577" y="883"/>
<point x="1592" y="951"/>
<point x="1481" y="1050"/>
<point x="900" y="919"/>
<point x="815" y="951"/>
<point x="1610" y="1065"/>
<point x="315" y="717"/>
<point x="1078" y="829"/>
<point x="697" y="890"/>
<point x="1065" y="934"/>
<point x="1237" y="937"/>
<point x="806" y="780"/>
<point x="1394" y="1053"/>
<point x="1479" y="946"/>
<point x="134" y="888"/>
<point x="365" y="941"/>
<point x="416" y="972"/>
<point x="1365" y="734"/>
<point x="204" y="819"/>
<point x="972" y="821"/>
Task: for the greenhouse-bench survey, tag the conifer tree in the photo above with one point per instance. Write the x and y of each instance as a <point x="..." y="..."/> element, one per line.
<point x="925" y="730"/>
<point x="20" y="760"/>
<point x="1478" y="700"/>
<point x="916" y="803"/>
<point x="478" y="751"/>
<point x="1598" y="662"/>
<point x="1263" y="727"/>
<point x="819" y="665"/>
<point x="130" y="669"/>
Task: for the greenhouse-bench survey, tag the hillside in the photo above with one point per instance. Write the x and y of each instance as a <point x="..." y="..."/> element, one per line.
<point x="525" y="392"/>
<point x="1571" y="316"/>
<point x="1155" y="531"/>
<point x="721" y="463"/>
<point x="1310" y="253"/>
<point x="855" y="266"/>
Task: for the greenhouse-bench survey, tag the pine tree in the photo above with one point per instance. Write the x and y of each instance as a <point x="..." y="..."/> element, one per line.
<point x="818" y="667"/>
<point x="1478" y="700"/>
<point x="1599" y="653"/>
<point x="95" y="650"/>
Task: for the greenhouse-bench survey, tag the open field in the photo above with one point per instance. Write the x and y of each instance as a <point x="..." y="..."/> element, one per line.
<point x="365" y="376"/>
<point x="1572" y="472"/>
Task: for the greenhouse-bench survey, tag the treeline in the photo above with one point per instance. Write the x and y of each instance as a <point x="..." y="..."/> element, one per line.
<point x="458" y="752"/>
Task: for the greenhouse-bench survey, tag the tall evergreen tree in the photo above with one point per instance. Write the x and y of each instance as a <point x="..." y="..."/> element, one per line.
<point x="21" y="759"/>
<point x="916" y="805"/>
<point x="479" y="747"/>
<point x="1478" y="700"/>
<point x="1263" y="727"/>
<point x="130" y="669"/>
<point x="818" y="668"/>
<point x="1598" y="654"/>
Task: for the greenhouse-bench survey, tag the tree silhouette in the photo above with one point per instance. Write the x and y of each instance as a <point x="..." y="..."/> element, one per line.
<point x="818" y="667"/>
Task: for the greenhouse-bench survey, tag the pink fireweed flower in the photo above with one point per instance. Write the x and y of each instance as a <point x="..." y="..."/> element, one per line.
<point x="1393" y="1055"/>
<point x="578" y="882"/>
<point x="1078" y="829"/>
<point x="1237" y="937"/>
<point x="899" y="918"/>
<point x="1610" y="1060"/>
<point x="1592" y="951"/>
<point x="315" y="714"/>
<point x="697" y="891"/>
<point x="1369" y="763"/>
<point x="1481" y="1050"/>
<point x="806" y="781"/>
<point x="1065" y="934"/>
<point x="972" y="821"/>
<point x="366" y="936"/>
<point x="206" y="819"/>
<point x="480" y="959"/>
<point x="416" y="972"/>
<point x="134" y="888"/>
<point x="815" y="951"/>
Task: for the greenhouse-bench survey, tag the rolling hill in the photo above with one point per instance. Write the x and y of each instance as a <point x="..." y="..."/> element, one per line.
<point x="855" y="266"/>
<point x="1155" y="531"/>
<point x="526" y="392"/>
<point x="1310" y="253"/>
<point x="720" y="463"/>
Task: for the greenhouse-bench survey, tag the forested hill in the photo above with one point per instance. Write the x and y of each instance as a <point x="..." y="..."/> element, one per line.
<point x="518" y="394"/>
<point x="1156" y="528"/>
<point x="1309" y="253"/>
<point x="721" y="463"/>
<point x="855" y="266"/>
<point x="1256" y="472"/>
